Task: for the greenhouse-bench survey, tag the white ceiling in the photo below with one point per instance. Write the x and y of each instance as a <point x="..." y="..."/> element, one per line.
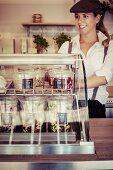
<point x="36" y="1"/>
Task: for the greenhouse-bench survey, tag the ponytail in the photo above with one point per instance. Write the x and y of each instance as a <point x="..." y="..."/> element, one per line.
<point x="100" y="27"/>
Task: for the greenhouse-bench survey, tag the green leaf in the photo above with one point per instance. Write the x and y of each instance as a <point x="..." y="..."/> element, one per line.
<point x="61" y="38"/>
<point x="40" y="42"/>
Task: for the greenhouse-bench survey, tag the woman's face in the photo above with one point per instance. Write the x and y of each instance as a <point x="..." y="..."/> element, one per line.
<point x="86" y="22"/>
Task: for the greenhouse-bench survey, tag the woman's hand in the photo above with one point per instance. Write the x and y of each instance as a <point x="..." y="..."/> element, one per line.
<point x="93" y="81"/>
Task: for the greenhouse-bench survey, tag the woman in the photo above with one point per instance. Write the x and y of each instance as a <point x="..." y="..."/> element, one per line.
<point x="90" y="43"/>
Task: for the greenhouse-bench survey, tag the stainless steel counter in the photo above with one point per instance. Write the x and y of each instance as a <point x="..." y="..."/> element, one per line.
<point x="109" y="107"/>
<point x="93" y="165"/>
<point x="47" y="149"/>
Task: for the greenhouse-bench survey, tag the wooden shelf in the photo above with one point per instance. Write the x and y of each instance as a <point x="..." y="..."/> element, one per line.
<point x="29" y="25"/>
<point x="47" y="24"/>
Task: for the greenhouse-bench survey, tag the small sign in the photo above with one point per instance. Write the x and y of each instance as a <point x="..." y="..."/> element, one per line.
<point x="27" y="83"/>
<point x="62" y="118"/>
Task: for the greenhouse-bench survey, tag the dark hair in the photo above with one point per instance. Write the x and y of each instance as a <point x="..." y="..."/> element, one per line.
<point x="100" y="27"/>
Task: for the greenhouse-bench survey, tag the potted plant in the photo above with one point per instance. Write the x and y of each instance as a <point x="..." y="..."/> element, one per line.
<point x="41" y="43"/>
<point x="107" y="6"/>
<point x="61" y="38"/>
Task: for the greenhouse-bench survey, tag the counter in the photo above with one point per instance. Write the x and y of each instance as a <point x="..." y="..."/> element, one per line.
<point x="101" y="131"/>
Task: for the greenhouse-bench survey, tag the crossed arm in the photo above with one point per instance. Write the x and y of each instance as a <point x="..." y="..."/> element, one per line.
<point x="94" y="81"/>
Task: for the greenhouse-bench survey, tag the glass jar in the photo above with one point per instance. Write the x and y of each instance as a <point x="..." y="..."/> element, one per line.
<point x="8" y="109"/>
<point x="62" y="79"/>
<point x="39" y="109"/>
<point x="33" y="109"/>
<point x="25" y="78"/>
<point x="51" y="115"/>
<point x="37" y="18"/>
<point x="39" y="79"/>
<point x="57" y="107"/>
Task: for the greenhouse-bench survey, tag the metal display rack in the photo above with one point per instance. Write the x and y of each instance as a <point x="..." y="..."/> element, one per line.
<point x="58" y="142"/>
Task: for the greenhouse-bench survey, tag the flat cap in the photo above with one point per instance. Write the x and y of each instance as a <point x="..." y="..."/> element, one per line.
<point x="87" y="6"/>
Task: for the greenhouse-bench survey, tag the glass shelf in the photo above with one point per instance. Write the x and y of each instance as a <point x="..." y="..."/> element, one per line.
<point x="36" y="92"/>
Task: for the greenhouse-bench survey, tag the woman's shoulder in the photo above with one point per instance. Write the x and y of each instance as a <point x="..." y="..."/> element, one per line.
<point x="111" y="43"/>
<point x="110" y="46"/>
<point x="64" y="47"/>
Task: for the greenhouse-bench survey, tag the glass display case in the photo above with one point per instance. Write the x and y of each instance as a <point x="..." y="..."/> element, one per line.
<point x="43" y="105"/>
